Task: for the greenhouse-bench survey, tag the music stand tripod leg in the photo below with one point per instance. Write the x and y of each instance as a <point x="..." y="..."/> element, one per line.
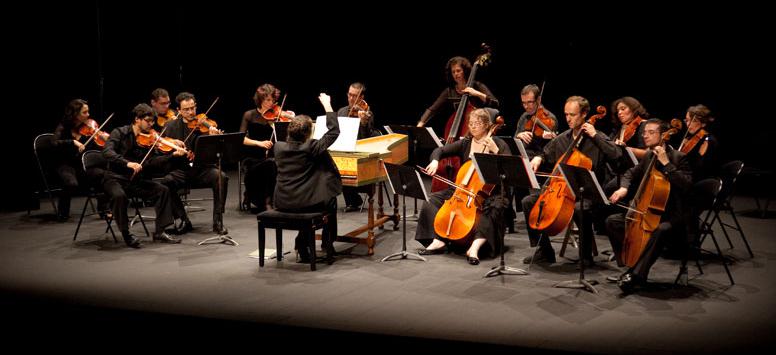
<point x="502" y="269"/>
<point x="403" y="253"/>
<point x="581" y="283"/>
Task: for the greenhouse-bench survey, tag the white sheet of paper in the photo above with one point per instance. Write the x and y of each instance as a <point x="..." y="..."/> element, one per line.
<point x="346" y="142"/>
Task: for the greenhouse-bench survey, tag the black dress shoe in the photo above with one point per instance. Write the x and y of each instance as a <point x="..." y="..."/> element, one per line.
<point x="351" y="208"/>
<point x="166" y="238"/>
<point x="218" y="228"/>
<point x="541" y="256"/>
<point x="431" y="251"/>
<point x="629" y="282"/>
<point x="184" y="228"/>
<point x="473" y="261"/>
<point x="132" y="241"/>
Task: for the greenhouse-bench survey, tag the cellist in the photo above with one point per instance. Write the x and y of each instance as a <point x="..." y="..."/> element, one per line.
<point x="490" y="228"/>
<point x="458" y="69"/>
<point x="675" y="167"/>
<point x="598" y="148"/>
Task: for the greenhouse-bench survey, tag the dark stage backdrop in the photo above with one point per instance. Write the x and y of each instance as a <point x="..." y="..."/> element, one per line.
<point x="114" y="55"/>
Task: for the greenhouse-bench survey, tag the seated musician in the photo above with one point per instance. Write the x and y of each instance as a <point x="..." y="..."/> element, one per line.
<point x="676" y="169"/>
<point x="599" y="149"/>
<point x="125" y="177"/>
<point x="490" y="229"/>
<point x="700" y="146"/>
<point x="182" y="174"/>
<point x="160" y="102"/>
<point x="307" y="178"/>
<point x="357" y="105"/>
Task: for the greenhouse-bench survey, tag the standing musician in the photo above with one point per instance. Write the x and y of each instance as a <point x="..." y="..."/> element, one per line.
<point x="126" y="177"/>
<point x="700" y="146"/>
<point x="357" y="107"/>
<point x="530" y="99"/>
<point x="599" y="149"/>
<point x="66" y="157"/>
<point x="308" y="180"/>
<point x="458" y="69"/>
<point x="187" y="129"/>
<point x="160" y="101"/>
<point x="259" y="166"/>
<point x="489" y="229"/>
<point x="675" y="167"/>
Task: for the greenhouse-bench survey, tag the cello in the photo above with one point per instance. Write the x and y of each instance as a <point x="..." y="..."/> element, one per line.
<point x="643" y="215"/>
<point x="460" y="214"/>
<point x="455" y="126"/>
<point x="555" y="207"/>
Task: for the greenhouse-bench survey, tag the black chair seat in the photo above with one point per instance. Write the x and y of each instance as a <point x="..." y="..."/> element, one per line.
<point x="307" y="222"/>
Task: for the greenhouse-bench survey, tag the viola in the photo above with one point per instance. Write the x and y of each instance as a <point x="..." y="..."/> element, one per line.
<point x="555" y="207"/>
<point x="647" y="206"/>
<point x="91" y="129"/>
<point x="202" y="123"/>
<point x="162" y="144"/>
<point x="276" y="113"/>
<point x="631" y="128"/>
<point x="457" y="124"/>
<point x="166" y="117"/>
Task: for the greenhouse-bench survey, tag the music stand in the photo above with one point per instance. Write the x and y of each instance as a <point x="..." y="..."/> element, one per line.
<point x="504" y="170"/>
<point x="418" y="137"/>
<point x="218" y="149"/>
<point x="577" y="178"/>
<point x="405" y="181"/>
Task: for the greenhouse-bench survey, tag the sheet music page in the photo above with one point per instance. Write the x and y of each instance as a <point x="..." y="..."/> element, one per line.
<point x="527" y="164"/>
<point x="422" y="186"/>
<point x="388" y="129"/>
<point x="433" y="135"/>
<point x="346" y="142"/>
<point x="598" y="187"/>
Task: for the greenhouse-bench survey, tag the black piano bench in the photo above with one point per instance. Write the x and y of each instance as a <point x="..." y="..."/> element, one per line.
<point x="303" y="222"/>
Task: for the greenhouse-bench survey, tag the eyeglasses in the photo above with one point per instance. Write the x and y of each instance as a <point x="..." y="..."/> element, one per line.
<point x="149" y="119"/>
<point x="476" y="124"/>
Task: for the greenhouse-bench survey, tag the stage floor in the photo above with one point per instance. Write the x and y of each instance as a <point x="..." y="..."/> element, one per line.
<point x="198" y="295"/>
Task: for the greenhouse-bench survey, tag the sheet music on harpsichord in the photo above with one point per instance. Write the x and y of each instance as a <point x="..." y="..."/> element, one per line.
<point x="346" y="142"/>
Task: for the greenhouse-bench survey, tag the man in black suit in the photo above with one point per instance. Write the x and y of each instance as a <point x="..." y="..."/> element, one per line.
<point x="673" y="221"/>
<point x="307" y="178"/>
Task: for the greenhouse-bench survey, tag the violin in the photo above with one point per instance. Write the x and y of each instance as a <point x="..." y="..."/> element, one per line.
<point x="166" y="117"/>
<point x="162" y="144"/>
<point x="541" y="121"/>
<point x="202" y="123"/>
<point x="91" y="129"/>
<point x="555" y="207"/>
<point x="360" y="105"/>
<point x="688" y="144"/>
<point x="276" y="113"/>
<point x="648" y="204"/>
<point x="631" y="128"/>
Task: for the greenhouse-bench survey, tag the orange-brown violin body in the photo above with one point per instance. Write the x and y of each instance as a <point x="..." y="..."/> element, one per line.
<point x="533" y="125"/>
<point x="90" y="128"/>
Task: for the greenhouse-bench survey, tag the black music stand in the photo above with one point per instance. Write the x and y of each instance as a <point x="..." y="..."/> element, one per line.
<point x="405" y="181"/>
<point x="504" y="170"/>
<point x="419" y="138"/>
<point x="218" y="149"/>
<point x="577" y="178"/>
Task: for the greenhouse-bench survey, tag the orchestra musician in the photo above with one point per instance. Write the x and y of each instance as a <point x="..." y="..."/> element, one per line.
<point x="182" y="174"/>
<point x="489" y="229"/>
<point x="458" y="69"/>
<point x="126" y="178"/>
<point x="357" y="106"/>
<point x="66" y="156"/>
<point x="259" y="166"/>
<point x="674" y="220"/>
<point x="599" y="149"/>
<point x="160" y="102"/>
<point x="307" y="178"/>
<point x="700" y="146"/>
<point x="529" y="98"/>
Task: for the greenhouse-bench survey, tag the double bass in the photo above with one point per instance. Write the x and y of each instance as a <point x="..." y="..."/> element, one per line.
<point x="643" y="215"/>
<point x="460" y="214"/>
<point x="455" y="126"/>
<point x="555" y="207"/>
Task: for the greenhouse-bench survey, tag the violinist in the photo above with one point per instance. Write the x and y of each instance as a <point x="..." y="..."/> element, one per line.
<point x="526" y="131"/>
<point x="308" y="180"/>
<point x="599" y="149"/>
<point x="259" y="167"/>
<point x="127" y="178"/>
<point x="675" y="167"/>
<point x="182" y="174"/>
<point x="357" y="107"/>
<point x="458" y="69"/>
<point x="160" y="101"/>
<point x="489" y="229"/>
<point x="700" y="146"/>
<point x="66" y="155"/>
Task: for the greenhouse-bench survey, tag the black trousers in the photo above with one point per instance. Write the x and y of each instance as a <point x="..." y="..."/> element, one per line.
<point x="198" y="178"/>
<point x="665" y="231"/>
<point x="331" y="229"/>
<point x="120" y="189"/>
<point x="260" y="177"/>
